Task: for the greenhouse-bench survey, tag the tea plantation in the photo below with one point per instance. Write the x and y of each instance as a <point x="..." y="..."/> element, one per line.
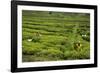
<point x="53" y="36"/>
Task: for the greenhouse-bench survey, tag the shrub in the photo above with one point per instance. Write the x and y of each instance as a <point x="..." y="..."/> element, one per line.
<point x="53" y="53"/>
<point x="87" y="38"/>
<point x="26" y="37"/>
<point x="36" y="38"/>
<point x="30" y="51"/>
<point x="70" y="55"/>
<point x="82" y="54"/>
<point x="64" y="42"/>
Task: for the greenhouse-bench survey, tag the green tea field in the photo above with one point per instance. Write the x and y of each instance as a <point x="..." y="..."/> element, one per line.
<point x="53" y="36"/>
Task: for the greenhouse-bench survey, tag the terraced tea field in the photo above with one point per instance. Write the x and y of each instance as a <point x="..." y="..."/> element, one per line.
<point x="52" y="36"/>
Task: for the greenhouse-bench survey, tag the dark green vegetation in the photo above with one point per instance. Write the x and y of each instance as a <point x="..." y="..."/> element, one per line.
<point x="51" y="36"/>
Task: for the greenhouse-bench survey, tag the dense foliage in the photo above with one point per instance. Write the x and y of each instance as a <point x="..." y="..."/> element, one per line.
<point x="51" y="36"/>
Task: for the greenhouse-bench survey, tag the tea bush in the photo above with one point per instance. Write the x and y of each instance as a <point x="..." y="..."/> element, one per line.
<point x="52" y="35"/>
